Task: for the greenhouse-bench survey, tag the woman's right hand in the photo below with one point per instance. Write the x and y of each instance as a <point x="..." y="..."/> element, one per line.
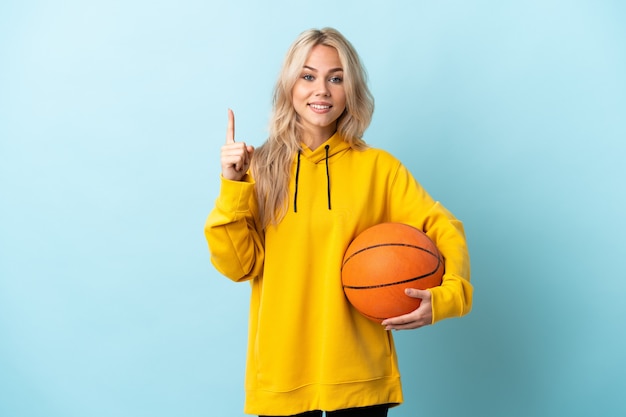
<point x="236" y="156"/>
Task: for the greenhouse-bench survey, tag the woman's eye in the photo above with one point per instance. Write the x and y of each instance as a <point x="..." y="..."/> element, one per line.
<point x="336" y="80"/>
<point x="308" y="77"/>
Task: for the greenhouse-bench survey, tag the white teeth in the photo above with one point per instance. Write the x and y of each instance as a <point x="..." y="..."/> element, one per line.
<point x="319" y="107"/>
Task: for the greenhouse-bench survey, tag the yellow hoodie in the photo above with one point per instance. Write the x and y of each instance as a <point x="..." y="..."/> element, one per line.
<point x="308" y="349"/>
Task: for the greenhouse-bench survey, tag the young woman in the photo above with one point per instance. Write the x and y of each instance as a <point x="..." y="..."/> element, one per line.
<point x="284" y="217"/>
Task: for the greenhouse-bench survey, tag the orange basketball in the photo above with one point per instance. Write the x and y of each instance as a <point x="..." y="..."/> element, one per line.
<point x="384" y="260"/>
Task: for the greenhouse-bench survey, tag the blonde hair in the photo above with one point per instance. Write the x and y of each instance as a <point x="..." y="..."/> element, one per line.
<point x="271" y="165"/>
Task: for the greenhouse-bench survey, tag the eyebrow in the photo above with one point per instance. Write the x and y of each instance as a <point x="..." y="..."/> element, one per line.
<point x="338" y="69"/>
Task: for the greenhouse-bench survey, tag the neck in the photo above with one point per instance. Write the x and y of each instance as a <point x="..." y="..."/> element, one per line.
<point x="314" y="139"/>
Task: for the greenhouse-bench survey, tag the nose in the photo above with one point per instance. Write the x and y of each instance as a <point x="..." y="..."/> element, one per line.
<point x="322" y="87"/>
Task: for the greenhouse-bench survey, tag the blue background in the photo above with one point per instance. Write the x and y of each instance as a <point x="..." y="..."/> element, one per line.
<point x="512" y="113"/>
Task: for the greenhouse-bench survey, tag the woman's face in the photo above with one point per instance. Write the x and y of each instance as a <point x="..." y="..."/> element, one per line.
<point x="318" y="95"/>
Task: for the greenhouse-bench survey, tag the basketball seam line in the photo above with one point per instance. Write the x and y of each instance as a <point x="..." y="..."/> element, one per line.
<point x="369" y="287"/>
<point x="387" y="244"/>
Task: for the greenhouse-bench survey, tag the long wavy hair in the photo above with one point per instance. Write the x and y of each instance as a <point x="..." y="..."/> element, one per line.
<point x="272" y="162"/>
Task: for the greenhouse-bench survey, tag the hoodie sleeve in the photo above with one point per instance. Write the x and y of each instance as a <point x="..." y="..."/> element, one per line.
<point x="235" y="243"/>
<point x="413" y="205"/>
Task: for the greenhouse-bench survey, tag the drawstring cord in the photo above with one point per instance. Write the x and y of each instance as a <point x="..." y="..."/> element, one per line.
<point x="327" y="176"/>
<point x="295" y="194"/>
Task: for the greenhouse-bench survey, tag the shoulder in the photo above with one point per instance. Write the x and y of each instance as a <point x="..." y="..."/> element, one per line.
<point x="378" y="156"/>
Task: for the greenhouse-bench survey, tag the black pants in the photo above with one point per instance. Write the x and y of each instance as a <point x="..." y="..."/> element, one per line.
<point x="373" y="411"/>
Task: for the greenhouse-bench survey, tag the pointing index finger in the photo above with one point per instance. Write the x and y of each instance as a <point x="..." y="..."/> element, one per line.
<point x="230" y="131"/>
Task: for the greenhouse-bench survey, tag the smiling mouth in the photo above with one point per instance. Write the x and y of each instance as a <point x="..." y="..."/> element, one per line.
<point x="320" y="106"/>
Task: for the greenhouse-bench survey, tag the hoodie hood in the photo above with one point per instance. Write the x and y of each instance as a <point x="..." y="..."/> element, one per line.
<point x="335" y="144"/>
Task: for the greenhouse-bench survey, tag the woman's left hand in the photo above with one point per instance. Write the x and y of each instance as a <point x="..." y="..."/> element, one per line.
<point x="423" y="316"/>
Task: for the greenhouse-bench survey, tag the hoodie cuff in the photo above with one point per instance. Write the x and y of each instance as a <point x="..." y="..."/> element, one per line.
<point x="235" y="195"/>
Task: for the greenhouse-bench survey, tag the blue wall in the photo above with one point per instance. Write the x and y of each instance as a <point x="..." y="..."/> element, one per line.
<point x="111" y="117"/>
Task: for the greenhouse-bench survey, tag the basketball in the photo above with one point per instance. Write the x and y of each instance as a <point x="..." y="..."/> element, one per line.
<point x="384" y="260"/>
